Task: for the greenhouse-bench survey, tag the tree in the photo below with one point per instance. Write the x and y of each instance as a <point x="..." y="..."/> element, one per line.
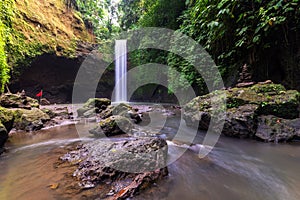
<point x="243" y="32"/>
<point x="102" y="14"/>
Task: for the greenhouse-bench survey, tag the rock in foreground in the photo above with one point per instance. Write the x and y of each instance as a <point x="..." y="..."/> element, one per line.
<point x="128" y="165"/>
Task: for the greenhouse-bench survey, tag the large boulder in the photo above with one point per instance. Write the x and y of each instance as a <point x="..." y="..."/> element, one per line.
<point x="133" y="164"/>
<point x="30" y="120"/>
<point x="243" y="106"/>
<point x="19" y="100"/>
<point x="113" y="125"/>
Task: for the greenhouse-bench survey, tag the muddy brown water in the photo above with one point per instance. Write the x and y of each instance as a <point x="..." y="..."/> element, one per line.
<point x="235" y="169"/>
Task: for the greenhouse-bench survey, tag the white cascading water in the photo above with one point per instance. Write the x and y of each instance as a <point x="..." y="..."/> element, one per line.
<point x="120" y="70"/>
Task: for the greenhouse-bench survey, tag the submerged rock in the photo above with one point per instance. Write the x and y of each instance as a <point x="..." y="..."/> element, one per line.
<point x="243" y="107"/>
<point x="128" y="165"/>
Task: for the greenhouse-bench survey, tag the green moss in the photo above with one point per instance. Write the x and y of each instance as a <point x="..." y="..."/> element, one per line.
<point x="6" y="115"/>
<point x="268" y="88"/>
<point x="96" y="102"/>
<point x="6" y="15"/>
<point x="285" y="106"/>
<point x="24" y="117"/>
<point x="234" y="102"/>
<point x="33" y="27"/>
<point x="271" y="99"/>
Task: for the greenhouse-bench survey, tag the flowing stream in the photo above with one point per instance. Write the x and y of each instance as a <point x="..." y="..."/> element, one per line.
<point x="235" y="169"/>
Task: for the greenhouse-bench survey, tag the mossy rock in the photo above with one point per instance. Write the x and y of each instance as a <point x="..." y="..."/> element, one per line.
<point x="9" y="100"/>
<point x="243" y="107"/>
<point x="100" y="103"/>
<point x="6" y="118"/>
<point x="93" y="106"/>
<point x="49" y="112"/>
<point x="121" y="109"/>
<point x="30" y="120"/>
<point x="113" y="125"/>
<point x="271" y="98"/>
<point x="284" y="106"/>
<point x="268" y="88"/>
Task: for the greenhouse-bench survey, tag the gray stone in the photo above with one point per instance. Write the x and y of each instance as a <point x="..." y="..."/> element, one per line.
<point x="275" y="129"/>
<point x="139" y="161"/>
<point x="240" y="122"/>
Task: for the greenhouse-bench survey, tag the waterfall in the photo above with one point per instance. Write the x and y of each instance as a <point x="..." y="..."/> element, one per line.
<point x="120" y="71"/>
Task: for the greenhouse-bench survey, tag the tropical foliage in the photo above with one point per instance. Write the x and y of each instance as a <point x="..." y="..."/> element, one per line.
<point x="5" y="26"/>
<point x="238" y="32"/>
<point x="261" y="34"/>
<point x="101" y="15"/>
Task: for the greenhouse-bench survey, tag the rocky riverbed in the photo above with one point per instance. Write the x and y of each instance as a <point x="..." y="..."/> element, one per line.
<point x="118" y="165"/>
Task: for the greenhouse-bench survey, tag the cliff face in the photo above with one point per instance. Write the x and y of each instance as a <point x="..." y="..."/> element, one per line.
<point x="51" y="24"/>
<point x="58" y="41"/>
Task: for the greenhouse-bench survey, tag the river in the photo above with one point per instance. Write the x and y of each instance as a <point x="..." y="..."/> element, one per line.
<point x="235" y="169"/>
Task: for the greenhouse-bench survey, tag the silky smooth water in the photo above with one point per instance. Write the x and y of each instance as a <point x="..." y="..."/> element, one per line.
<point x="235" y="169"/>
<point x="120" y="71"/>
